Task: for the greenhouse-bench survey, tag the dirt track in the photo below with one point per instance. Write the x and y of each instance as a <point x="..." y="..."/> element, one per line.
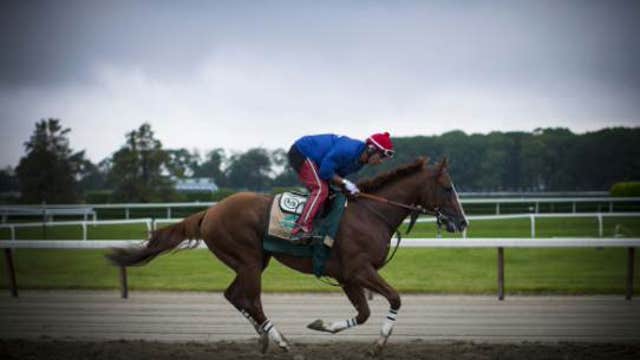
<point x="126" y="350"/>
<point x="84" y="324"/>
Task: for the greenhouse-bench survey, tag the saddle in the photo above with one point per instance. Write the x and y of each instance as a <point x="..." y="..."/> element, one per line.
<point x="287" y="207"/>
<point x="285" y="210"/>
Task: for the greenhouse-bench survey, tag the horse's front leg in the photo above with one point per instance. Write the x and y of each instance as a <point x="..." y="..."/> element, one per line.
<point x="370" y="279"/>
<point x="355" y="293"/>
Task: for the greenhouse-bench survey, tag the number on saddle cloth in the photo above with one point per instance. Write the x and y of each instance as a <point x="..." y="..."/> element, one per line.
<point x="294" y="202"/>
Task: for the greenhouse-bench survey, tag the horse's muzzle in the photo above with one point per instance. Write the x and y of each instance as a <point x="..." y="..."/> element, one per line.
<point x="456" y="224"/>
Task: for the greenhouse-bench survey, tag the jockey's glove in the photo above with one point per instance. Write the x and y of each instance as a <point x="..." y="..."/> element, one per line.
<point x="350" y="187"/>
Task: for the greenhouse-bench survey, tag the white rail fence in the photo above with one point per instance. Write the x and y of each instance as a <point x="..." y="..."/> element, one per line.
<point x="532" y="218"/>
<point x="152" y="224"/>
<point x="85" y="225"/>
<point x="499" y="243"/>
<point x="49" y="211"/>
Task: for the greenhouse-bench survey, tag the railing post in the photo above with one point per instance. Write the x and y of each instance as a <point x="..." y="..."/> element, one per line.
<point x="11" y="272"/>
<point x="126" y="213"/>
<point x="84" y="230"/>
<point x="573" y="207"/>
<point x="630" y="262"/>
<point x="500" y="273"/>
<point x="600" y="227"/>
<point x="497" y="208"/>
<point x="124" y="289"/>
<point x="610" y="206"/>
<point x="12" y="229"/>
<point x="537" y="207"/>
<point x="533" y="225"/>
<point x="168" y="212"/>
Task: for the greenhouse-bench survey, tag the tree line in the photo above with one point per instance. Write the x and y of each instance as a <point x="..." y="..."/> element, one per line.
<point x="142" y="170"/>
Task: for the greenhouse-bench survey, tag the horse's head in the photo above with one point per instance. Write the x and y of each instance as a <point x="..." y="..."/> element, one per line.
<point x="443" y="198"/>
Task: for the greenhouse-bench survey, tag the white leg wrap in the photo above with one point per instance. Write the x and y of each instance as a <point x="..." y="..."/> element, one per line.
<point x="253" y="322"/>
<point x="387" y="323"/>
<point x="342" y="325"/>
<point x="274" y="334"/>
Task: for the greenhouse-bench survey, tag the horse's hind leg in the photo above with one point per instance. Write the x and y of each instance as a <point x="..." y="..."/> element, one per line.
<point x="244" y="294"/>
<point x="355" y="294"/>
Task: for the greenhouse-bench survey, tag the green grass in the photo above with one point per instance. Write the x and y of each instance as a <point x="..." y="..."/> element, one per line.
<point x="468" y="271"/>
<point x="545" y="227"/>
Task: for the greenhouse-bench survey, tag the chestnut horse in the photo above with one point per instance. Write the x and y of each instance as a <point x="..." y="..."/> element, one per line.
<point x="233" y="230"/>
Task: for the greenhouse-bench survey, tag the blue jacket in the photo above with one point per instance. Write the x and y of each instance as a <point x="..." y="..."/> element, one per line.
<point x="333" y="154"/>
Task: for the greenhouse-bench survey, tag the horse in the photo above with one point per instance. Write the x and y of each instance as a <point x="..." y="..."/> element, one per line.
<point x="233" y="230"/>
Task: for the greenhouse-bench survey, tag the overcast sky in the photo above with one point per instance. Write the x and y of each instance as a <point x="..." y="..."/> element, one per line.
<point x="237" y="75"/>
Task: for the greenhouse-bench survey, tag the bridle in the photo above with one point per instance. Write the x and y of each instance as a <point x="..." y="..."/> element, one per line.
<point x="415" y="210"/>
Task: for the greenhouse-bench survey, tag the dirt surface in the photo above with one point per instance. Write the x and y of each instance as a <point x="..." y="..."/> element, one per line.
<point x="114" y="350"/>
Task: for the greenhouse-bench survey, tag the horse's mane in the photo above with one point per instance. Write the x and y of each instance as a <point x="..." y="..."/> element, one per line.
<point x="372" y="185"/>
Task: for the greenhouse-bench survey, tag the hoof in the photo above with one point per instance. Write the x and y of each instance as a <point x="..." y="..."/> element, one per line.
<point x="284" y="344"/>
<point x="378" y="346"/>
<point x="263" y="342"/>
<point x="375" y="351"/>
<point x="318" y="325"/>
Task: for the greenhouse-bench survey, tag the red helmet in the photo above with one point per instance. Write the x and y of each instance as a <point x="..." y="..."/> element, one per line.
<point x="382" y="142"/>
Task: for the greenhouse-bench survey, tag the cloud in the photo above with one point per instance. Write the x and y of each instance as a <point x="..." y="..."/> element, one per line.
<point x="238" y="75"/>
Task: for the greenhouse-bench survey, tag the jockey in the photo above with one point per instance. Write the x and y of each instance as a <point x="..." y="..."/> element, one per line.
<point x="319" y="159"/>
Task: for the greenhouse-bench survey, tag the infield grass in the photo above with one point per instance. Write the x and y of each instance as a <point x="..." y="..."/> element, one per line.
<point x="464" y="271"/>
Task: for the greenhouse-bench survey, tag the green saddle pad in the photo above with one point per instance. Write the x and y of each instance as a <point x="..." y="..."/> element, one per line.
<point x="325" y="228"/>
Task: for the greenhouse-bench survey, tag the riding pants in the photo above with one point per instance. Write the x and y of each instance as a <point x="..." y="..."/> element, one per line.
<point x="319" y="189"/>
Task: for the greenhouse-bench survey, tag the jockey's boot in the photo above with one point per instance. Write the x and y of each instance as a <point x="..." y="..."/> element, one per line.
<point x="302" y="235"/>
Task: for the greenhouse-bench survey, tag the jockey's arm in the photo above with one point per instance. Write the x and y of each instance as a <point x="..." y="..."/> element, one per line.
<point x="337" y="180"/>
<point x="345" y="184"/>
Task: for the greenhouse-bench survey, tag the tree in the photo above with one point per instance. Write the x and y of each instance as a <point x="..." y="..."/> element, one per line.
<point x="92" y="177"/>
<point x="49" y="172"/>
<point x="136" y="171"/>
<point x="181" y="163"/>
<point x="8" y="180"/>
<point x="284" y="175"/>
<point x="212" y="167"/>
<point x="250" y="170"/>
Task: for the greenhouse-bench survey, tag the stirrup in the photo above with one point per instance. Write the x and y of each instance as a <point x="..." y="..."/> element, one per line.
<point x="304" y="237"/>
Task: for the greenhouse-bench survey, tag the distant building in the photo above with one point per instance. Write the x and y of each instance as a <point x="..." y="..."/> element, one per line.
<point x="196" y="185"/>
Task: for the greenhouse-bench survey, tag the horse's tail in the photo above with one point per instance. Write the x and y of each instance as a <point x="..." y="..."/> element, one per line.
<point x="160" y="241"/>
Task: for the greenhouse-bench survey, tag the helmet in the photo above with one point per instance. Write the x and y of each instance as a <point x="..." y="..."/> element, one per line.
<point x="382" y="143"/>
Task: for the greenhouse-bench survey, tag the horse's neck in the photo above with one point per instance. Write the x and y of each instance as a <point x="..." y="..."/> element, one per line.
<point x="403" y="191"/>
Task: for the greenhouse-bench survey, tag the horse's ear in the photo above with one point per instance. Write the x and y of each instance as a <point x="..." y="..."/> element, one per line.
<point x="424" y="160"/>
<point x="444" y="164"/>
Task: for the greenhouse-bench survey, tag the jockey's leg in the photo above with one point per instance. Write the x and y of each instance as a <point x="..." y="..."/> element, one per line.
<point x="319" y="189"/>
<point x="355" y="294"/>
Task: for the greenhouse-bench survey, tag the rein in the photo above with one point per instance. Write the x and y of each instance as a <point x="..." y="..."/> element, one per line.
<point x="395" y="203"/>
<point x="415" y="210"/>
